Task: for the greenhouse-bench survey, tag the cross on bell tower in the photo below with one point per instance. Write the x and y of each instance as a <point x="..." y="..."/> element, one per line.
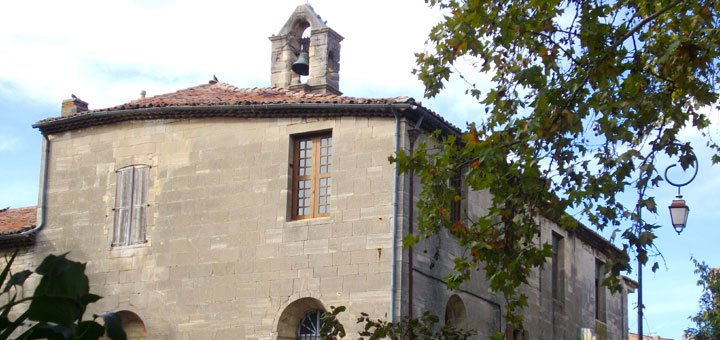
<point x="317" y="55"/>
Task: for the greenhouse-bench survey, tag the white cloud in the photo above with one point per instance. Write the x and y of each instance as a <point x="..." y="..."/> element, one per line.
<point x="8" y="143"/>
<point x="106" y="52"/>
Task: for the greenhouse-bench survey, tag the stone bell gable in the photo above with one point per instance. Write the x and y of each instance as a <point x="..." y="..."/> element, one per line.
<point x="323" y="53"/>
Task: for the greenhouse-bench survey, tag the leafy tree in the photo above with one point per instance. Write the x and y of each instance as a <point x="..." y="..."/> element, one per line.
<point x="423" y="328"/>
<point x="57" y="306"/>
<point x="585" y="94"/>
<point x="707" y="320"/>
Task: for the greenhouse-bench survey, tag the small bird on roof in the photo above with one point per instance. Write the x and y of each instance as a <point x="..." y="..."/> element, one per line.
<point x="73" y="96"/>
<point x="215" y="78"/>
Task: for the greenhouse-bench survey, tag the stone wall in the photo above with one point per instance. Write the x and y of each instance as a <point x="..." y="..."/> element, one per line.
<point x="222" y="259"/>
<point x="545" y="317"/>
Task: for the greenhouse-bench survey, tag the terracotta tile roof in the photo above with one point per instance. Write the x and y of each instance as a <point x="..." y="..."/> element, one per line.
<point x="222" y="94"/>
<point x="217" y="99"/>
<point x="17" y="220"/>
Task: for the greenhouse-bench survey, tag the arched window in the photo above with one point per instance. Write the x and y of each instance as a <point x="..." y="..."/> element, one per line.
<point x="132" y="324"/>
<point x="455" y="314"/>
<point x="309" y="327"/>
<point x="300" y="320"/>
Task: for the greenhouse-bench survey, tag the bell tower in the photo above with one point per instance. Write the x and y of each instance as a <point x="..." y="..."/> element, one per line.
<point x="308" y="63"/>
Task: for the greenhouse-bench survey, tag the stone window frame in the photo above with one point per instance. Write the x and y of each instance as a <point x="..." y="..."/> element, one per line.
<point x="456" y="207"/>
<point x="456" y="313"/>
<point x="288" y="322"/>
<point x="131" y="205"/>
<point x="600" y="292"/>
<point x="313" y="183"/>
<point x="558" y="269"/>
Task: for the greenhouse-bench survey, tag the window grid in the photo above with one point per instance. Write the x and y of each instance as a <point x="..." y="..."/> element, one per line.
<point x="312" y="185"/>
<point x="309" y="327"/>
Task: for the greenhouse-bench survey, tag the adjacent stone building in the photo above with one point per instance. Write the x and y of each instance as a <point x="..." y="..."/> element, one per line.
<point x="216" y="212"/>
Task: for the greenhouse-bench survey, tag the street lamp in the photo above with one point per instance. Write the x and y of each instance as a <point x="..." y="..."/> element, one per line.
<point x="679" y="212"/>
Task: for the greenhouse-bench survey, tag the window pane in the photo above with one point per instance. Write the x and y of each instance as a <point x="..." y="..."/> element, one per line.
<point x="309" y="327"/>
<point x="311" y="196"/>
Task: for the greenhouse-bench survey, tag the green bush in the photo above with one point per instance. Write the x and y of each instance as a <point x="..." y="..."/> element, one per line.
<point x="57" y="305"/>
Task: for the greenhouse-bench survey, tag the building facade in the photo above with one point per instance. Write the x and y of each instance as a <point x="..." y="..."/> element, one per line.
<point x="216" y="212"/>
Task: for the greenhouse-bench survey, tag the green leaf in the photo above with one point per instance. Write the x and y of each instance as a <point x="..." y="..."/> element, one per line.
<point x="17" y="279"/>
<point x="90" y="298"/>
<point x="8" y="265"/>
<point x="58" y="296"/>
<point x="48" y="331"/>
<point x="113" y="326"/>
<point x="89" y="330"/>
<point x="410" y="240"/>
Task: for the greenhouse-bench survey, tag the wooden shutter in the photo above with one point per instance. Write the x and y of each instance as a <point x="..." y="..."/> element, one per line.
<point x="131" y="201"/>
<point x="139" y="205"/>
<point x="123" y="206"/>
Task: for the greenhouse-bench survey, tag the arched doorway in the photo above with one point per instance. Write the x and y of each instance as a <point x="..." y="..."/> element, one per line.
<point x="301" y="320"/>
<point x="455" y="314"/>
<point x="132" y="324"/>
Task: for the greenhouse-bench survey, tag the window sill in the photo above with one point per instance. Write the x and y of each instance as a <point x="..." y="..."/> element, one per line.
<point x="143" y="245"/>
<point x="309" y="222"/>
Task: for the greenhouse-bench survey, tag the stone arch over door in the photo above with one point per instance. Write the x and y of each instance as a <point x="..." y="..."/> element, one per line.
<point x="455" y="313"/>
<point x="287" y="325"/>
<point x="133" y="325"/>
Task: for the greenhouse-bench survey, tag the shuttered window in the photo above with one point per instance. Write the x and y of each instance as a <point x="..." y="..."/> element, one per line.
<point x="131" y="202"/>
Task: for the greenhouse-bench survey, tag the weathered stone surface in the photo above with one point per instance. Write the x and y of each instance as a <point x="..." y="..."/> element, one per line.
<point x="210" y="188"/>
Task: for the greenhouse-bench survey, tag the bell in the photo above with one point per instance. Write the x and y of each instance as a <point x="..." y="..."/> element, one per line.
<point x="301" y="64"/>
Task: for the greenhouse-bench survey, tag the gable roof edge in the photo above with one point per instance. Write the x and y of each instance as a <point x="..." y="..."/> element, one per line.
<point x="97" y="118"/>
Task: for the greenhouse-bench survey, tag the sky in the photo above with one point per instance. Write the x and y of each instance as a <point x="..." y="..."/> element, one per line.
<point x="107" y="52"/>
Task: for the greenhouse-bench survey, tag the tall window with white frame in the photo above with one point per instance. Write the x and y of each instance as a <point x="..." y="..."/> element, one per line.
<point x="600" y="310"/>
<point x="312" y="184"/>
<point x="131" y="202"/>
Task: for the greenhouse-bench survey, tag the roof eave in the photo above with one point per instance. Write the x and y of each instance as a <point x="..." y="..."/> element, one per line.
<point x="97" y="118"/>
